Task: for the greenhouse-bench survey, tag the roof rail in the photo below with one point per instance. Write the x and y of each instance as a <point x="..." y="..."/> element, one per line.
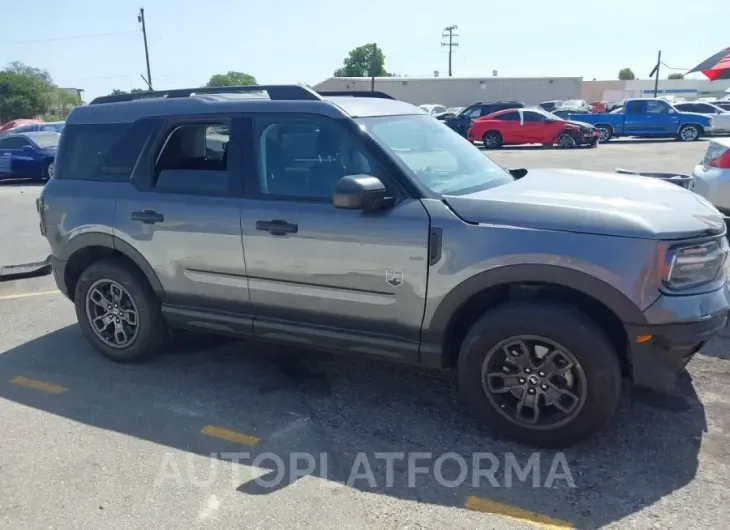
<point x="356" y="94"/>
<point x="275" y="92"/>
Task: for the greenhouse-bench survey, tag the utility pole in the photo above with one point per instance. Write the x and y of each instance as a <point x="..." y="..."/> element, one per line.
<point x="655" y="72"/>
<point x="373" y="57"/>
<point x="449" y="32"/>
<point x="140" y="19"/>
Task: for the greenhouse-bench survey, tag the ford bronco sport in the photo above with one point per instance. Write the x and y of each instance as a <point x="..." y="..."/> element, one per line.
<point x="363" y="225"/>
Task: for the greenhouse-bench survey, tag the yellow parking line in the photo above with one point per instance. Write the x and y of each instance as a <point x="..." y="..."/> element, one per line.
<point x="229" y="435"/>
<point x="38" y="385"/>
<point x="480" y="504"/>
<point x="26" y="295"/>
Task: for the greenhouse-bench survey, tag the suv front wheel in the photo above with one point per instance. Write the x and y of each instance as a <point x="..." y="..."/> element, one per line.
<point x="118" y="312"/>
<point x="541" y="374"/>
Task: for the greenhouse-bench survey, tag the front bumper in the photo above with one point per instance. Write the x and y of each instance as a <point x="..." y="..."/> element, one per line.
<point x="659" y="352"/>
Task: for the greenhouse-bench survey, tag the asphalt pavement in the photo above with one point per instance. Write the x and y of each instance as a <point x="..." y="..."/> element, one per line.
<point x="217" y="433"/>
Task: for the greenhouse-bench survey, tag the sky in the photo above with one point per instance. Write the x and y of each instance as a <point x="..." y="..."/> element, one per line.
<point x="98" y="46"/>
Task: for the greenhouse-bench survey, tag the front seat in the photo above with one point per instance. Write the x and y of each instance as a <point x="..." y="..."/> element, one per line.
<point x="324" y="175"/>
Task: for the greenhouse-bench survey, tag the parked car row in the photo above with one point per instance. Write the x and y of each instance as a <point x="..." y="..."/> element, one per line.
<point x="574" y="123"/>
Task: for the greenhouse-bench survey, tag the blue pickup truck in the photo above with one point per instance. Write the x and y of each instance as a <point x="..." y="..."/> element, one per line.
<point x="648" y="118"/>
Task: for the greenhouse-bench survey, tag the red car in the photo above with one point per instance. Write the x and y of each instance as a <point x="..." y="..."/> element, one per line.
<point x="16" y="123"/>
<point x="530" y="126"/>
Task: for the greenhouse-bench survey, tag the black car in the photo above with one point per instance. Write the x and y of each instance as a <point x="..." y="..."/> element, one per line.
<point x="724" y="104"/>
<point x="551" y="105"/>
<point x="461" y="122"/>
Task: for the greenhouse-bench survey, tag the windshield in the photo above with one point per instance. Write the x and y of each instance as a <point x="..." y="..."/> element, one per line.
<point x="46" y="141"/>
<point x="435" y="155"/>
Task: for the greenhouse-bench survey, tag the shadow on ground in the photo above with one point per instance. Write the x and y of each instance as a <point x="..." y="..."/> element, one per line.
<point x="8" y="182"/>
<point x="297" y="401"/>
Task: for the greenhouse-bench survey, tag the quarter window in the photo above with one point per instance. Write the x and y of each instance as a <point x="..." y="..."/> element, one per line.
<point x="105" y="152"/>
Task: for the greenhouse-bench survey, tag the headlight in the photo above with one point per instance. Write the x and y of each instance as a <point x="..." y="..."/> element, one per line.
<point x="694" y="265"/>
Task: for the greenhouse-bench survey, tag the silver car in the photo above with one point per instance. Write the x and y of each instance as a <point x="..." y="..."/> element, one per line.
<point x="712" y="175"/>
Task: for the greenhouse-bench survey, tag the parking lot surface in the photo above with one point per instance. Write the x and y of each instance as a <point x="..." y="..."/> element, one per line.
<point x="180" y="441"/>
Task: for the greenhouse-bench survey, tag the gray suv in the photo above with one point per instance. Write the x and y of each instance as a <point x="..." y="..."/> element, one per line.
<point x="362" y="225"/>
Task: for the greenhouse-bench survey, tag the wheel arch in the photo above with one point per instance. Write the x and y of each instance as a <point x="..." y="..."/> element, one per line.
<point x="699" y="126"/>
<point x="470" y="299"/>
<point x="85" y="249"/>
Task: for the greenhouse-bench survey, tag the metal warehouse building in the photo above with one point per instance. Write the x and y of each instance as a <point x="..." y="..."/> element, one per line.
<point x="462" y="91"/>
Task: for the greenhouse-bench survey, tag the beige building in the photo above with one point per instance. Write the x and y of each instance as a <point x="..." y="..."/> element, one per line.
<point x="462" y="91"/>
<point x="689" y="89"/>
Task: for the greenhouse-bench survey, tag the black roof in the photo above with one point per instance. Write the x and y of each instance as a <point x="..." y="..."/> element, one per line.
<point x="120" y="108"/>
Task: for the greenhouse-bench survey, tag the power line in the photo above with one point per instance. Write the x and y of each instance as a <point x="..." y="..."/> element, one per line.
<point x="75" y="37"/>
<point x="449" y="32"/>
<point x="665" y="65"/>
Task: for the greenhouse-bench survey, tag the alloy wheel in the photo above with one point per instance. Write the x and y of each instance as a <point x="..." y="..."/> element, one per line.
<point x="566" y="141"/>
<point x="689" y="133"/>
<point x="534" y="382"/>
<point x="603" y="134"/>
<point x="112" y="314"/>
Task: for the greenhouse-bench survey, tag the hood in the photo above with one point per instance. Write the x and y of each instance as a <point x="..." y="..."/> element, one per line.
<point x="592" y="202"/>
<point x="581" y="124"/>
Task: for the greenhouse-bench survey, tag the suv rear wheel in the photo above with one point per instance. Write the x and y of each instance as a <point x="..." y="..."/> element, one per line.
<point x="118" y="312"/>
<point x="541" y="374"/>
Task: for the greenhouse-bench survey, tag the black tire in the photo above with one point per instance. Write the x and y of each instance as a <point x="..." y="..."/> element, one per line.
<point x="565" y="140"/>
<point x="566" y="326"/>
<point x="689" y="133"/>
<point x="47" y="169"/>
<point x="152" y="332"/>
<point x="492" y="140"/>
<point x="605" y="133"/>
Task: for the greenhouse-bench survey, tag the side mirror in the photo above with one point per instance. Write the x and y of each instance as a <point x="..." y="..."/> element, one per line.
<point x="361" y="192"/>
<point x="548" y="120"/>
<point x="672" y="111"/>
<point x="28" y="148"/>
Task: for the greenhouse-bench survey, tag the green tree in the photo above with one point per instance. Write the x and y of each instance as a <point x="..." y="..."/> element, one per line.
<point x="118" y="91"/>
<point x="21" y="96"/>
<point x="626" y="74"/>
<point x="363" y="61"/>
<point x="675" y="75"/>
<point x="232" y="78"/>
<point x="36" y="73"/>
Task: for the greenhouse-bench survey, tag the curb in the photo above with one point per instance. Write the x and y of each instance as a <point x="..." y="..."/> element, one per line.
<point x="25" y="270"/>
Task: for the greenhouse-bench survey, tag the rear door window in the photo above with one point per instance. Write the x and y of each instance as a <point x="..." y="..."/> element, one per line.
<point x="635" y="107"/>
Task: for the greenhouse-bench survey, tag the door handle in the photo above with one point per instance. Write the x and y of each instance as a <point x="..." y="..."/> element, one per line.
<point x="148" y="217"/>
<point x="277" y="227"/>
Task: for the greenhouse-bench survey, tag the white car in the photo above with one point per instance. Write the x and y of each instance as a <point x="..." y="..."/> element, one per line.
<point x="720" y="117"/>
<point x="712" y="175"/>
<point x="576" y="104"/>
<point x="433" y="108"/>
